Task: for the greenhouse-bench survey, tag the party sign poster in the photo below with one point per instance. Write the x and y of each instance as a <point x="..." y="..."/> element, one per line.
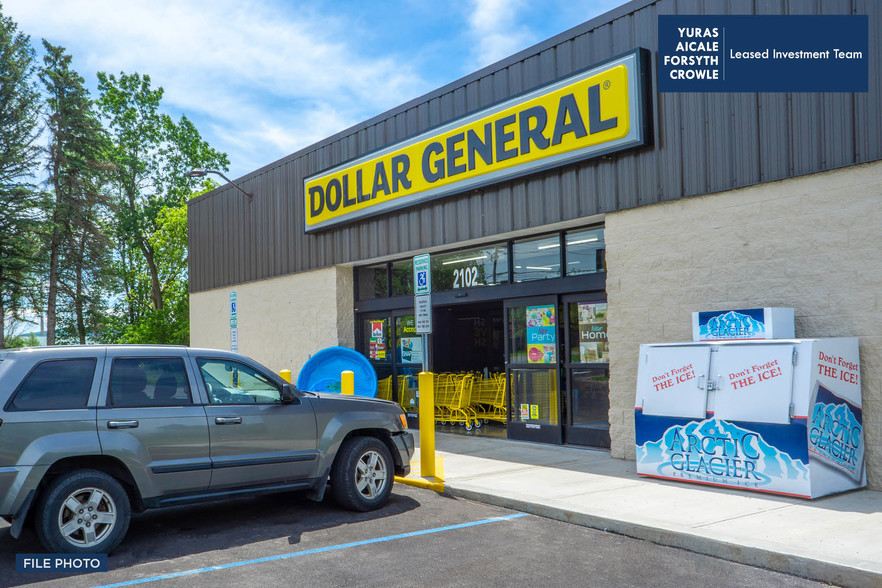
<point x="541" y="335"/>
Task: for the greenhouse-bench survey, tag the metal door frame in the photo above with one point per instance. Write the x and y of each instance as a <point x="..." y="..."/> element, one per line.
<point x="519" y="431"/>
<point x="575" y="435"/>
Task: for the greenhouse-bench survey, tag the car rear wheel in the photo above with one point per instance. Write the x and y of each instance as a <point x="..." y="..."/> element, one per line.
<point x="84" y="511"/>
<point x="362" y="475"/>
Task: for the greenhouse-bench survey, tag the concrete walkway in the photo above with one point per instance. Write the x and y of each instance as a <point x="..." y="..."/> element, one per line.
<point x="837" y="539"/>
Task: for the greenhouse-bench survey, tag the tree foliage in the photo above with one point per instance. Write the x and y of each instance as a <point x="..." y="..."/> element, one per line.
<point x="77" y="246"/>
<point x="151" y="155"/>
<point x="19" y="202"/>
<point x="101" y="251"/>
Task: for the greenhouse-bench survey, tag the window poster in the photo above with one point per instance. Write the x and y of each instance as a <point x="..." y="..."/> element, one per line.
<point x="541" y="334"/>
<point x="377" y="343"/>
<point x="593" y="346"/>
<point x="411" y="349"/>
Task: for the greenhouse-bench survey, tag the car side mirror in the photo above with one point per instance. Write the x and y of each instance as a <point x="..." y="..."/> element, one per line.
<point x="288" y="395"/>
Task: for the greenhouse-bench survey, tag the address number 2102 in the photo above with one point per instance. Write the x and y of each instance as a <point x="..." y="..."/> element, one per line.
<point x="465" y="277"/>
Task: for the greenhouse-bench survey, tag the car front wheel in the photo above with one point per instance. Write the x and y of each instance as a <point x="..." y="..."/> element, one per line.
<point x="84" y="511"/>
<point x="362" y="475"/>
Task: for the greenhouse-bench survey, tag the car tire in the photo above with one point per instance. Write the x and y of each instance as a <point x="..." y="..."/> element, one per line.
<point x="362" y="475"/>
<point x="64" y="527"/>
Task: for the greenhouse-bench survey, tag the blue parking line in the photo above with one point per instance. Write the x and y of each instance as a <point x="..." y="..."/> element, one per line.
<point x="312" y="551"/>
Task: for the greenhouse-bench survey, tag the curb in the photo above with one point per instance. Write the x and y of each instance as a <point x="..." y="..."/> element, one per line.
<point x="795" y="565"/>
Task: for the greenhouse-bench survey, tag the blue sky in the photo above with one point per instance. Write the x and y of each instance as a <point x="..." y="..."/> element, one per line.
<point x="261" y="79"/>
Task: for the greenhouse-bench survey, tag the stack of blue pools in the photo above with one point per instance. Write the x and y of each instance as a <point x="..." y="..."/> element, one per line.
<point x="322" y="372"/>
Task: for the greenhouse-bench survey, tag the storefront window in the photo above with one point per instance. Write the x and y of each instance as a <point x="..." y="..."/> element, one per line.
<point x="402" y="278"/>
<point x="373" y="282"/>
<point x="585" y="252"/>
<point x="588" y="343"/>
<point x="537" y="259"/>
<point x="487" y="266"/>
<point x="590" y="394"/>
<point x="534" y="396"/>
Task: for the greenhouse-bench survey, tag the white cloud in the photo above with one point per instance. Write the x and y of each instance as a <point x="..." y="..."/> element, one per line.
<point x="493" y="24"/>
<point x="268" y="79"/>
<point x="261" y="79"/>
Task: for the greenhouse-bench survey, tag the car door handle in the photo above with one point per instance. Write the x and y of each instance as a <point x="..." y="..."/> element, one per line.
<point x="228" y="420"/>
<point x="122" y="424"/>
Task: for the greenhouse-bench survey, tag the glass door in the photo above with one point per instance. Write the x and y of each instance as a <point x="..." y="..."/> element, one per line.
<point x="587" y="368"/>
<point x="375" y="342"/>
<point x="408" y="364"/>
<point x="533" y="369"/>
<point x="390" y="342"/>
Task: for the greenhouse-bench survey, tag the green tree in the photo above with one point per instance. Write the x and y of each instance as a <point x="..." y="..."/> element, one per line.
<point x="151" y="155"/>
<point x="171" y="323"/>
<point x="19" y="203"/>
<point x="77" y="246"/>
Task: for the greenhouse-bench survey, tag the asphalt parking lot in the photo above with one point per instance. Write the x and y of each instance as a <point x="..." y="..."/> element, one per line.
<point x="419" y="538"/>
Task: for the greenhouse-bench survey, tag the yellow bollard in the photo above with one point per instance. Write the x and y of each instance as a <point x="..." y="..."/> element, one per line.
<point x="347" y="382"/>
<point x="286" y="375"/>
<point x="427" y="425"/>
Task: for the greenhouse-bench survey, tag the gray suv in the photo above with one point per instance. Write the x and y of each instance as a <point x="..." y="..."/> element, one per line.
<point x="89" y="434"/>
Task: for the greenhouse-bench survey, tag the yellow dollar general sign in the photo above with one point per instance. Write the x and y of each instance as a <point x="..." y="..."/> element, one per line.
<point x="585" y="115"/>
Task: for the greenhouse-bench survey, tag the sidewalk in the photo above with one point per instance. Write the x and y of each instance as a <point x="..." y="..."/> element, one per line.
<point x="837" y="539"/>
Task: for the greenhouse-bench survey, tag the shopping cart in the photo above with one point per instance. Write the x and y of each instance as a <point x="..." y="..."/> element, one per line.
<point x="407" y="393"/>
<point x="453" y="394"/>
<point x="488" y="398"/>
<point x="384" y="388"/>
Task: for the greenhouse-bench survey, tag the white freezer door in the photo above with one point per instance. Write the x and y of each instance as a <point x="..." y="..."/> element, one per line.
<point x="754" y="383"/>
<point x="672" y="381"/>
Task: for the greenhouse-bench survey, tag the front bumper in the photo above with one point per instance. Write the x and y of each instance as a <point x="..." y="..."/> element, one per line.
<point x="404" y="443"/>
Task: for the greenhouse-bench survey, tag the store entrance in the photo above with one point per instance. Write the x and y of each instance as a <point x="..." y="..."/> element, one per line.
<point x="469" y="338"/>
<point x="468" y="358"/>
<point x="535" y="369"/>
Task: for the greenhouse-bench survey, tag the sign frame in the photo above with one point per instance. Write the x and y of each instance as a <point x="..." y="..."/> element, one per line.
<point x="422" y="264"/>
<point x="422" y="314"/>
<point x="639" y="77"/>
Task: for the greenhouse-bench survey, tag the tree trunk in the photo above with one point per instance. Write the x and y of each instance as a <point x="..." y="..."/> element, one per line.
<point x="54" y="246"/>
<point x="125" y="280"/>
<point x="155" y="286"/>
<point x="53" y="285"/>
<point x="78" y="294"/>
<point x="2" y="318"/>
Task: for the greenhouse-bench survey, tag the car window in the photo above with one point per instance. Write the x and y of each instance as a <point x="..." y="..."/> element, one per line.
<point x="148" y="381"/>
<point x="231" y="382"/>
<point x="56" y="384"/>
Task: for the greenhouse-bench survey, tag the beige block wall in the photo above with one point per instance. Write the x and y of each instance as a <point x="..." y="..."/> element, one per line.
<point x="282" y="321"/>
<point x="813" y="243"/>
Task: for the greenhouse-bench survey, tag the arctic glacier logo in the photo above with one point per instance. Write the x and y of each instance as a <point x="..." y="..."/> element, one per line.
<point x="720" y="452"/>
<point x="732" y="325"/>
<point x="837" y="436"/>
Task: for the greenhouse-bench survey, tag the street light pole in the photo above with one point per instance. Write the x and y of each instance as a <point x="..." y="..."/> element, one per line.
<point x="201" y="173"/>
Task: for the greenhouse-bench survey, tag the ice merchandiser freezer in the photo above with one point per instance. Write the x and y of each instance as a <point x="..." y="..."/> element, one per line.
<point x="779" y="416"/>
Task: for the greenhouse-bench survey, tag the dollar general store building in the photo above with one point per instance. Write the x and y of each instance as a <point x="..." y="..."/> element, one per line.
<point x="572" y="211"/>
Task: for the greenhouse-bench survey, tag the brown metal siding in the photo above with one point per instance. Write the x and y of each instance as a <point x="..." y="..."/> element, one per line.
<point x="703" y="143"/>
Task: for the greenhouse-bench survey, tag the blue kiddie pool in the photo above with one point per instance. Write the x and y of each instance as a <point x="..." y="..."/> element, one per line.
<point x="322" y="372"/>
